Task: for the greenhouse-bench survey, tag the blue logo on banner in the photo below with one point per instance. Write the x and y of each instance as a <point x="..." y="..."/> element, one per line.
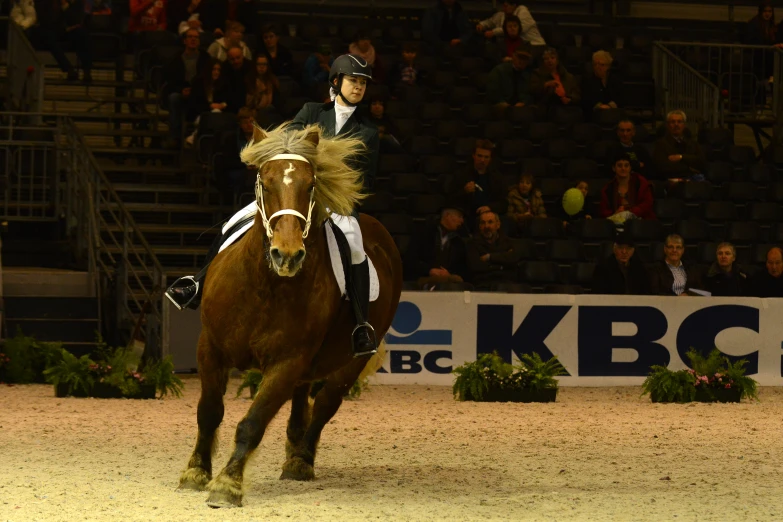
<point x="406" y="321"/>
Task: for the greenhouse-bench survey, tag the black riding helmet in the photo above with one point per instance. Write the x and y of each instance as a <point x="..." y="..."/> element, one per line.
<point x="350" y="65"/>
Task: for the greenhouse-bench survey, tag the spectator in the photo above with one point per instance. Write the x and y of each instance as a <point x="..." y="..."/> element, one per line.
<point x="263" y="86"/>
<point x="193" y="14"/>
<point x="317" y="66"/>
<point x="621" y="273"/>
<point x="236" y="70"/>
<point x="437" y="251"/>
<point x="552" y="85"/>
<point x="235" y="32"/>
<point x="492" y="257"/>
<point x="525" y="202"/>
<point x="387" y="131"/>
<point x="678" y="157"/>
<point x="280" y="59"/>
<point x="761" y="29"/>
<point x="181" y="74"/>
<point x="724" y="277"/>
<point x="55" y="19"/>
<point x="445" y="23"/>
<point x="628" y="196"/>
<point x="208" y="94"/>
<point x="404" y="70"/>
<point x="671" y="276"/>
<point x="586" y="212"/>
<point x="641" y="162"/>
<point x="239" y="177"/>
<point x="147" y="15"/>
<point x="493" y="26"/>
<point x="603" y="89"/>
<point x="510" y="40"/>
<point x="769" y="282"/>
<point x="509" y="82"/>
<point x="362" y="46"/>
<point x="479" y="188"/>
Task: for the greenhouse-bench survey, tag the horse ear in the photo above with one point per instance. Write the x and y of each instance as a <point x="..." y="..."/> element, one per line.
<point x="313" y="136"/>
<point x="258" y="134"/>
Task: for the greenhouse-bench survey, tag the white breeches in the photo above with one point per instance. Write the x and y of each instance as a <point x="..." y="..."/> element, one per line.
<point x="348" y="224"/>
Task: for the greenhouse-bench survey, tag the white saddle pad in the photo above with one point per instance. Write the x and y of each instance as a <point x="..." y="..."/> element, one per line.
<point x="337" y="267"/>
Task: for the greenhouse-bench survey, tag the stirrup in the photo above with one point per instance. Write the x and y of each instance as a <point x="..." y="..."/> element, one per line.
<point x="371" y="332"/>
<point x="174" y="284"/>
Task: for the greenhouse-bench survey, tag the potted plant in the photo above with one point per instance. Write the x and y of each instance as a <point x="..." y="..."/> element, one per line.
<point x="491" y="379"/>
<point x="23" y="359"/>
<point x="711" y="379"/>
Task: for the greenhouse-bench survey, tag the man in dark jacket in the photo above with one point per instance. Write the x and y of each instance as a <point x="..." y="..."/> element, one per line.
<point x="640" y="159"/>
<point x="492" y="257"/>
<point x="676" y="155"/>
<point x="180" y="74"/>
<point x="724" y="277"/>
<point x="769" y="283"/>
<point x="65" y="17"/>
<point x="437" y="251"/>
<point x="479" y="188"/>
<point x="235" y="72"/>
<point x="445" y="23"/>
<point x="602" y="89"/>
<point x="621" y="273"/>
<point x="509" y="82"/>
<point x="671" y="276"/>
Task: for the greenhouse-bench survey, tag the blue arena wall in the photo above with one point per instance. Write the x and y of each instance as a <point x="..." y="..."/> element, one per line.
<point x="601" y="340"/>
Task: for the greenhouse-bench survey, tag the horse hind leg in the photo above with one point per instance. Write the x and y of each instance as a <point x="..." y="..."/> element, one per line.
<point x="299" y="461"/>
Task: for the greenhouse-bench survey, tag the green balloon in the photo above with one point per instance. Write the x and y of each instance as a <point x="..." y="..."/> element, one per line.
<point x="573" y="201"/>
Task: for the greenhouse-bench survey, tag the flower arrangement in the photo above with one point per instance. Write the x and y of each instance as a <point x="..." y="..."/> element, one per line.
<point x="490" y="378"/>
<point x="712" y="378"/>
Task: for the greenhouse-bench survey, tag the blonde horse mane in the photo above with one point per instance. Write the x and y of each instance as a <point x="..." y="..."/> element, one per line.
<point x="338" y="185"/>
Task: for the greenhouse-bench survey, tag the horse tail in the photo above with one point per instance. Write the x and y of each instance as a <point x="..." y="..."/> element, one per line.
<point x="375" y="362"/>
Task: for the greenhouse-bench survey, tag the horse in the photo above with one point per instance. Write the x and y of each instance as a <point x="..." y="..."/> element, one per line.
<point x="271" y="301"/>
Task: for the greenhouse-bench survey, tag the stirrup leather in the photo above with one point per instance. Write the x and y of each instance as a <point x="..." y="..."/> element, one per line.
<point x="371" y="331"/>
<point x="174" y="284"/>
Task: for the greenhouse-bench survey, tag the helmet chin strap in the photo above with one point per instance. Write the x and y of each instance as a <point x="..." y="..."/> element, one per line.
<point x="340" y="92"/>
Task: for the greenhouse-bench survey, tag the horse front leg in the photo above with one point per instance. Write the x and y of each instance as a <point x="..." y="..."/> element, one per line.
<point x="279" y="382"/>
<point x="210" y="414"/>
<point x="298" y="464"/>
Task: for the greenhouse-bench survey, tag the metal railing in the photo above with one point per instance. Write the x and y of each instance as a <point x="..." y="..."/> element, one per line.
<point x="680" y="86"/>
<point x="742" y="74"/>
<point x="25" y="72"/>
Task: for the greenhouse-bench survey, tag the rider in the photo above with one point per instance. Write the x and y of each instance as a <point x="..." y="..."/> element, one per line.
<point x="348" y="79"/>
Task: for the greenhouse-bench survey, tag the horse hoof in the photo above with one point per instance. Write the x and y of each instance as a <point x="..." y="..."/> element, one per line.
<point x="194" y="479"/>
<point x="224" y="492"/>
<point x="296" y="468"/>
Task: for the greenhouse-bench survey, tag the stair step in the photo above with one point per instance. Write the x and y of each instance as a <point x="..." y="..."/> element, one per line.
<point x="189" y="250"/>
<point x="135" y="151"/>
<point x="47" y="283"/>
<point x="51" y="308"/>
<point x="143" y="168"/>
<point x="53" y="330"/>
<point x="157" y="207"/>
<point x="138" y="187"/>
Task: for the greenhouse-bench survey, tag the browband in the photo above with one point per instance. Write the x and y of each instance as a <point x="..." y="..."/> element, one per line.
<point x="295" y="157"/>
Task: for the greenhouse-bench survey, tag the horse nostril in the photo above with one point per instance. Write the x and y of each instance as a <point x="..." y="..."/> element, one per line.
<point x="277" y="258"/>
<point x="299" y="256"/>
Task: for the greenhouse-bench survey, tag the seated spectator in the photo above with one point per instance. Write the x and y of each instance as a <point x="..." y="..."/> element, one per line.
<point x="479" y="188"/>
<point x="586" y="212"/>
<point x="641" y="162"/>
<point x="62" y="18"/>
<point x="386" y="128"/>
<point x="404" y="71"/>
<point x="208" y="94"/>
<point x="621" y="273"/>
<point x="236" y="70"/>
<point x="239" y="177"/>
<point x="671" y="276"/>
<point x="724" y="277"/>
<point x="181" y="74"/>
<point x="492" y="257"/>
<point x="281" y="60"/>
<point x="362" y="46"/>
<point x="437" y="251"/>
<point x="445" y="23"/>
<point x="235" y="32"/>
<point x="493" y="26"/>
<point x="603" y="89"/>
<point x="761" y="29"/>
<point x="146" y="15"/>
<point x="525" y="202"/>
<point x="317" y="66"/>
<point x="511" y="39"/>
<point x="509" y="82"/>
<point x="263" y="87"/>
<point x="552" y="85"/>
<point x="769" y="283"/>
<point x="628" y="196"/>
<point x="678" y="157"/>
<point x="202" y="15"/>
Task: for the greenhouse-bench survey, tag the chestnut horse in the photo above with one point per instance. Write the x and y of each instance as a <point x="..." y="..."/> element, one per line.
<point x="271" y="301"/>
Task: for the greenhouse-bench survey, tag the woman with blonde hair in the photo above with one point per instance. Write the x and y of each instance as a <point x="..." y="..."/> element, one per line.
<point x="235" y="33"/>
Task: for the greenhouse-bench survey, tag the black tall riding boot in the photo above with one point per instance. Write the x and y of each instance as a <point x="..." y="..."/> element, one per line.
<point x="186" y="291"/>
<point x="363" y="336"/>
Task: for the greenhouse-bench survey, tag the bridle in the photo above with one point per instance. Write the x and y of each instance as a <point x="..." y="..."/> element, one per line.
<point x="260" y="199"/>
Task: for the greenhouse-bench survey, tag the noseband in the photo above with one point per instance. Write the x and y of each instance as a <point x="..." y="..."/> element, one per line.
<point x="260" y="200"/>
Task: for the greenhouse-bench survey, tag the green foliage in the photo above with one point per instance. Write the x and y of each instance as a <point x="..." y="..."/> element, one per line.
<point x="73" y="372"/>
<point x="252" y="380"/>
<point x="23" y="359"/>
<point x="357" y="388"/>
<point x="711" y="373"/>
<point x="161" y="374"/>
<point x="474" y="379"/>
<point x="120" y="365"/>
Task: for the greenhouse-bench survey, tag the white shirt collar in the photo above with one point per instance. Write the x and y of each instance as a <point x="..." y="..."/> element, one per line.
<point x="341" y="114"/>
